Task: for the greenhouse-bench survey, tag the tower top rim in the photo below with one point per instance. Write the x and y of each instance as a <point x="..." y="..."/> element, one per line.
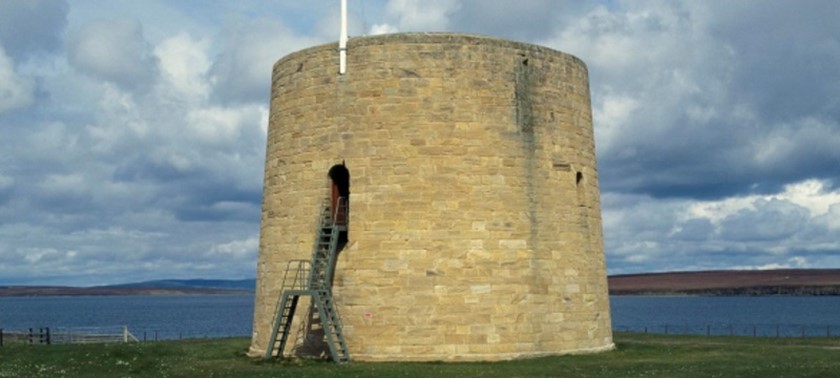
<point x="453" y="38"/>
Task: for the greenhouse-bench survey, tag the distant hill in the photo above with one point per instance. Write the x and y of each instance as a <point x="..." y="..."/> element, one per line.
<point x="159" y="287"/>
<point x="246" y="284"/>
<point x="729" y="282"/>
<point x="712" y="283"/>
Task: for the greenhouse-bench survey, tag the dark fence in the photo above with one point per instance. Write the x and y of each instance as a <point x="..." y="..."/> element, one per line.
<point x="754" y="330"/>
<point x="148" y="334"/>
<point x="47" y="335"/>
<point x="39" y="335"/>
<point x="110" y="334"/>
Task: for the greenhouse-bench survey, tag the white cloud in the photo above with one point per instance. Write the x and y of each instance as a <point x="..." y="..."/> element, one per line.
<point x="238" y="249"/>
<point x="122" y="124"/>
<point x="215" y="124"/>
<point x="612" y="113"/>
<point x="124" y="109"/>
<point x="72" y="184"/>
<point x="770" y="220"/>
<point x="6" y="181"/>
<point x="35" y="256"/>
<point x="832" y="217"/>
<point x="116" y="51"/>
<point x="792" y="228"/>
<point x="264" y="116"/>
<point x="242" y="71"/>
<point x="811" y="194"/>
<point x="523" y="20"/>
<point x="32" y="26"/>
<point x="420" y="15"/>
<point x="796" y="262"/>
<point x="15" y="91"/>
<point x="383" y="29"/>
<point x="788" y="145"/>
<point x="184" y="64"/>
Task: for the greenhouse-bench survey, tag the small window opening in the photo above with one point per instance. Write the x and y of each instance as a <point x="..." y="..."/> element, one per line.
<point x="578" y="178"/>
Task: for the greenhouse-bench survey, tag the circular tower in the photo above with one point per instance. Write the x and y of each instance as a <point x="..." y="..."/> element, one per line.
<point x="474" y="228"/>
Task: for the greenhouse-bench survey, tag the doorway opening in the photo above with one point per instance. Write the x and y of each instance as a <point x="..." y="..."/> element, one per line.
<point x="340" y="191"/>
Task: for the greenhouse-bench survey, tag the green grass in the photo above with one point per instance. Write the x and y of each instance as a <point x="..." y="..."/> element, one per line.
<point x="637" y="355"/>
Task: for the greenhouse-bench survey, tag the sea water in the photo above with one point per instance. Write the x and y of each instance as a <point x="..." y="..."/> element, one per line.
<point x="197" y="316"/>
<point x="759" y="316"/>
<point x="147" y="317"/>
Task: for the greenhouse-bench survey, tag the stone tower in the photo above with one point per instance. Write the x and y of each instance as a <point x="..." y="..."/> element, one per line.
<point x="474" y="227"/>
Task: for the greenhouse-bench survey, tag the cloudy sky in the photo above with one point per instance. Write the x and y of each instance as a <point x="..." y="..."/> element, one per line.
<point x="132" y="133"/>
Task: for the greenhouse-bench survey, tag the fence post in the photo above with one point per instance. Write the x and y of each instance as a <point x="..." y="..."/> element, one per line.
<point x="708" y="330"/>
<point x="827" y="333"/>
<point x="1" y="337"/>
<point x="754" y="334"/>
<point x="666" y="329"/>
<point x="730" y="329"/>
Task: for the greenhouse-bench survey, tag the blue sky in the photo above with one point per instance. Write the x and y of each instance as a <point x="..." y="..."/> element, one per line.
<point x="133" y="132"/>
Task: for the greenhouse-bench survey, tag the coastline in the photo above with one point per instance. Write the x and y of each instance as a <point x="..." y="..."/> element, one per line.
<point x="48" y="291"/>
<point x="780" y="282"/>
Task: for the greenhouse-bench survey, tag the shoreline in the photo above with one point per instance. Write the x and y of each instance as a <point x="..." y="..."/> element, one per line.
<point x="58" y="291"/>
<point x="781" y="282"/>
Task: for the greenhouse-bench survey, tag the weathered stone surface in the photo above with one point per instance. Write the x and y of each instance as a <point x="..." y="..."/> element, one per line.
<point x="475" y="230"/>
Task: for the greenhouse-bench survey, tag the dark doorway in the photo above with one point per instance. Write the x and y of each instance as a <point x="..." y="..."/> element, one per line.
<point x="340" y="177"/>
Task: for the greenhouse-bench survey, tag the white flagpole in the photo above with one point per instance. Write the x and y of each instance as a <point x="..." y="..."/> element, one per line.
<point x="342" y="40"/>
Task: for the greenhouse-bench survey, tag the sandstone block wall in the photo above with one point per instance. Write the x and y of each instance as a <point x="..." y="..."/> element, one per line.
<point x="475" y="230"/>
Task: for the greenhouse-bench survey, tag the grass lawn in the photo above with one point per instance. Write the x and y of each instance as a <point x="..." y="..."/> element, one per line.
<point x="636" y="355"/>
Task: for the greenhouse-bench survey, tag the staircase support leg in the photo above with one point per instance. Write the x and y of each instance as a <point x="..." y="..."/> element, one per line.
<point x="282" y="324"/>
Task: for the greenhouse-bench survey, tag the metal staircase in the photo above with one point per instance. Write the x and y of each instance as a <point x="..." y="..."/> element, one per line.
<point x="314" y="279"/>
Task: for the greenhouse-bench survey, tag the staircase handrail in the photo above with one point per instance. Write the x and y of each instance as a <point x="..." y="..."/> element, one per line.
<point x="342" y="207"/>
<point x="299" y="281"/>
